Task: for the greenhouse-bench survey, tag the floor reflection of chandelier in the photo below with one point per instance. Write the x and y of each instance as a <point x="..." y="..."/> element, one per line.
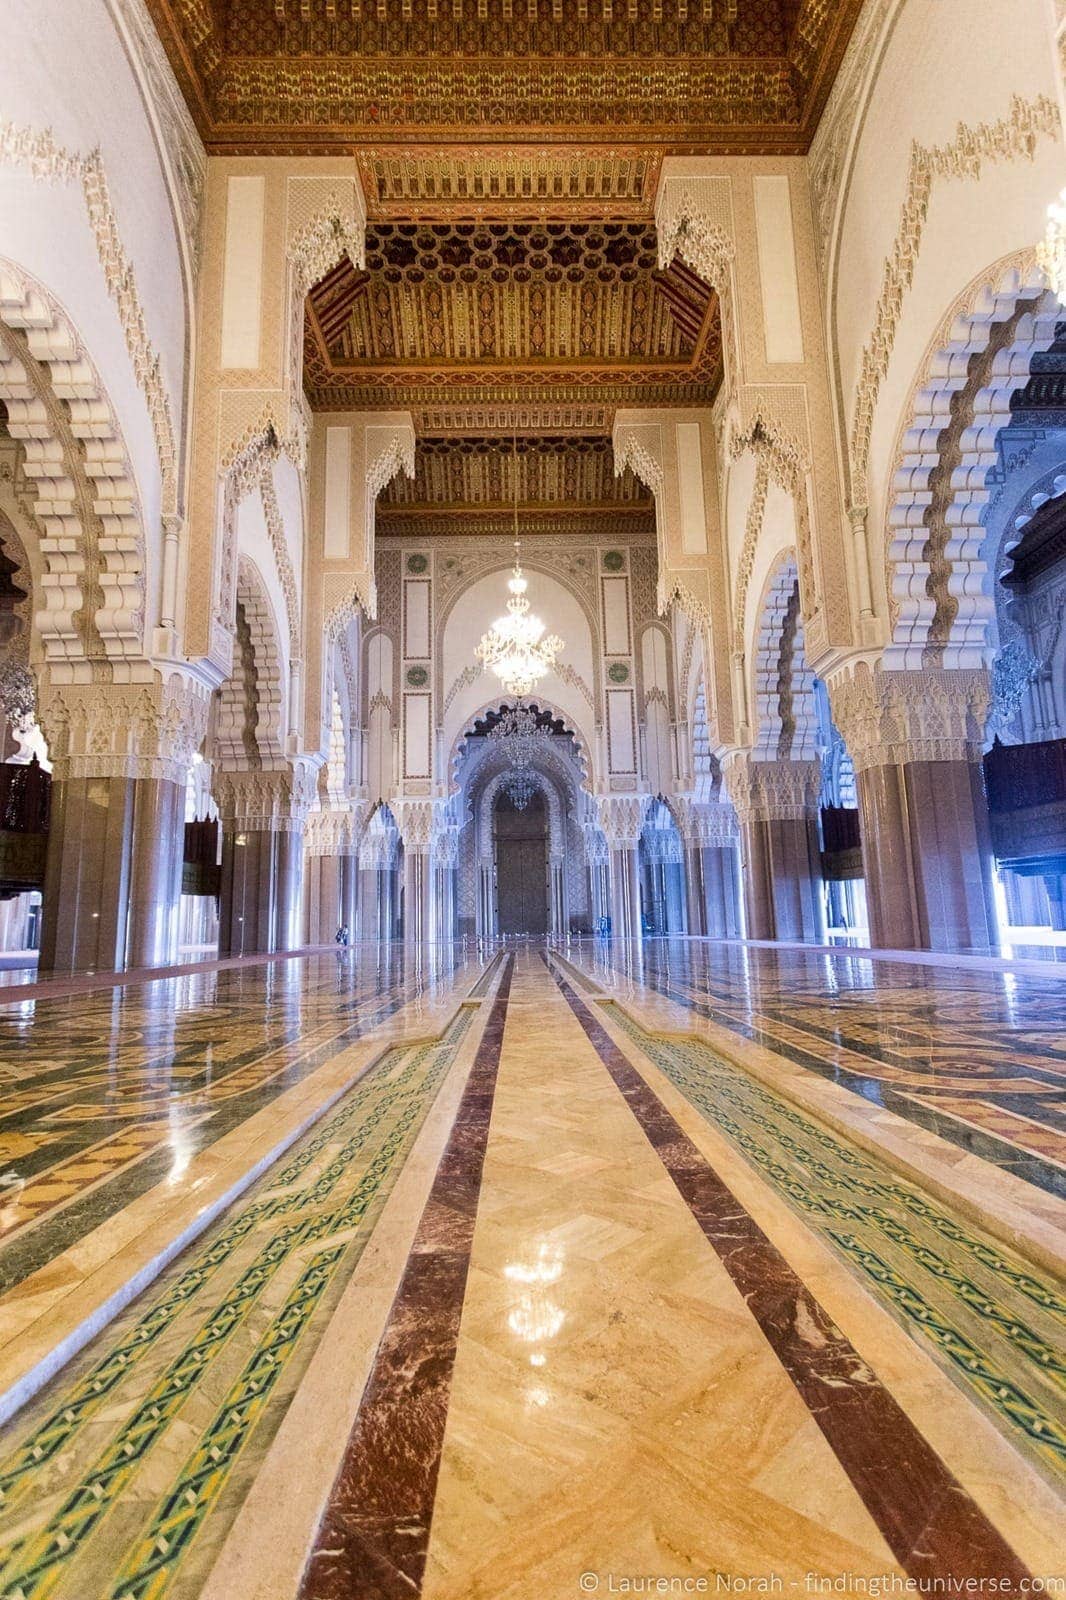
<point x="516" y="648"/>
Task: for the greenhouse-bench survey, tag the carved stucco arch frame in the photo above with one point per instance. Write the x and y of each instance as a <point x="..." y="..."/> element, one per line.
<point x="754" y="415"/>
<point x="269" y="681"/>
<point x="937" y="573"/>
<point x="92" y="545"/>
<point x="456" y="752"/>
<point x="483" y="804"/>
<point x="782" y="683"/>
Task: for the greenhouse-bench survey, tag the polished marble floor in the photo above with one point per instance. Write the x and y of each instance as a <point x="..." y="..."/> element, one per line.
<point x="527" y="1273"/>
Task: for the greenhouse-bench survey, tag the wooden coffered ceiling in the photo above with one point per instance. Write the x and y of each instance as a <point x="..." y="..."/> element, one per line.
<point x="459" y="322"/>
<point x="306" y="76"/>
<point x="467" y="485"/>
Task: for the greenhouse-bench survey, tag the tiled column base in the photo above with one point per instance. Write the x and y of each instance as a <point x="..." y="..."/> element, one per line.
<point x="927" y="855"/>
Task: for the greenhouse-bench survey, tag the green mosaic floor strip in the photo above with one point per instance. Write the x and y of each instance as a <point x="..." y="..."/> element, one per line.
<point x="232" y="1322"/>
<point x="992" y="1320"/>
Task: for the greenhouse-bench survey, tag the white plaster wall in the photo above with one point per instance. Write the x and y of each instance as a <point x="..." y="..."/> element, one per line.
<point x="473" y="612"/>
<point x="740" y="480"/>
<point x="947" y="62"/>
<point x="64" y="68"/>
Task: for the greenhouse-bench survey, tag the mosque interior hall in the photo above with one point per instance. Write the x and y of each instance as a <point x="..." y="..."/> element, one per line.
<point x="532" y="799"/>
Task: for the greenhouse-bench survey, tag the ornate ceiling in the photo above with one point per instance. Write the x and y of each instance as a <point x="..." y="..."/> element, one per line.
<point x="288" y="76"/>
<point x="565" y="484"/>
<point x="459" y="322"/>
<point x="509" y="152"/>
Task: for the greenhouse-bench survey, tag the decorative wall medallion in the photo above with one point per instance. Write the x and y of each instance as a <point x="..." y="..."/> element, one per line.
<point x="613" y="561"/>
<point x="417" y="677"/>
<point x="417" y="563"/>
<point x="618" y="672"/>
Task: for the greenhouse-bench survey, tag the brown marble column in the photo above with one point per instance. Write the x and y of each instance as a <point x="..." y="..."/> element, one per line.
<point x="776" y="803"/>
<point x="695" y="904"/>
<point x="322" y="899"/>
<point x="720" y="871"/>
<point x="349" y="894"/>
<point x="113" y="868"/>
<point x="289" y="859"/>
<point x="757" y="878"/>
<point x="263" y="815"/>
<point x="927" y="856"/>
<point x="87" y="875"/>
<point x="155" y="875"/>
<point x="916" y="739"/>
<point x="246" y="901"/>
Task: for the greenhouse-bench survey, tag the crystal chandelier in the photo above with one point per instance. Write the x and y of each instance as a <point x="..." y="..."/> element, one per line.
<point x="521" y="788"/>
<point x="1051" y="254"/>
<point x="515" y="647"/>
<point x="518" y="734"/>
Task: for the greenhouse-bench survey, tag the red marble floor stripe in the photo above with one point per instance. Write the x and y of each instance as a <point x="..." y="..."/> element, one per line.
<point x="374" y="1534"/>
<point x="929" y="1521"/>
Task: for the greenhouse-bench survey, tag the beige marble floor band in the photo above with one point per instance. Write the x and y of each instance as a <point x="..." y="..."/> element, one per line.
<point x="615" y="1410"/>
<point x="1012" y="1494"/>
<point x="266" y="1550"/>
<point x="1015" y="1212"/>
<point x="53" y="1313"/>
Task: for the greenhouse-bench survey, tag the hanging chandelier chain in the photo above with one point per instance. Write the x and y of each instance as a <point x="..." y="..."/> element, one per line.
<point x="515" y="647"/>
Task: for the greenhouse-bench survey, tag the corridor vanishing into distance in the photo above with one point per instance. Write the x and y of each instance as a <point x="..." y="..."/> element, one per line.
<point x="533" y="1270"/>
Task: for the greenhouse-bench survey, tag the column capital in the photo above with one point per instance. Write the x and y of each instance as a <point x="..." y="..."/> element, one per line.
<point x="705" y="824"/>
<point x="414" y="818"/>
<point x="143" y="729"/>
<point x="621" y="819"/>
<point x="254" y="799"/>
<point x="772" y="791"/>
<point x="893" y="718"/>
<point x="336" y="830"/>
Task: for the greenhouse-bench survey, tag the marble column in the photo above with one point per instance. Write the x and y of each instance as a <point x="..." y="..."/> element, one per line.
<point x="263" y="815"/>
<point x="621" y="819"/>
<point x="720" y="873"/>
<point x="155" y="871"/>
<point x="916" y="738"/>
<point x="414" y="818"/>
<point x="246" y="899"/>
<point x="927" y="855"/>
<point x="322" y="898"/>
<point x="695" y="899"/>
<point x="776" y="803"/>
<point x="112" y="874"/>
<point x="121" y="755"/>
<point x="349" y="893"/>
<point x="87" y="875"/>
